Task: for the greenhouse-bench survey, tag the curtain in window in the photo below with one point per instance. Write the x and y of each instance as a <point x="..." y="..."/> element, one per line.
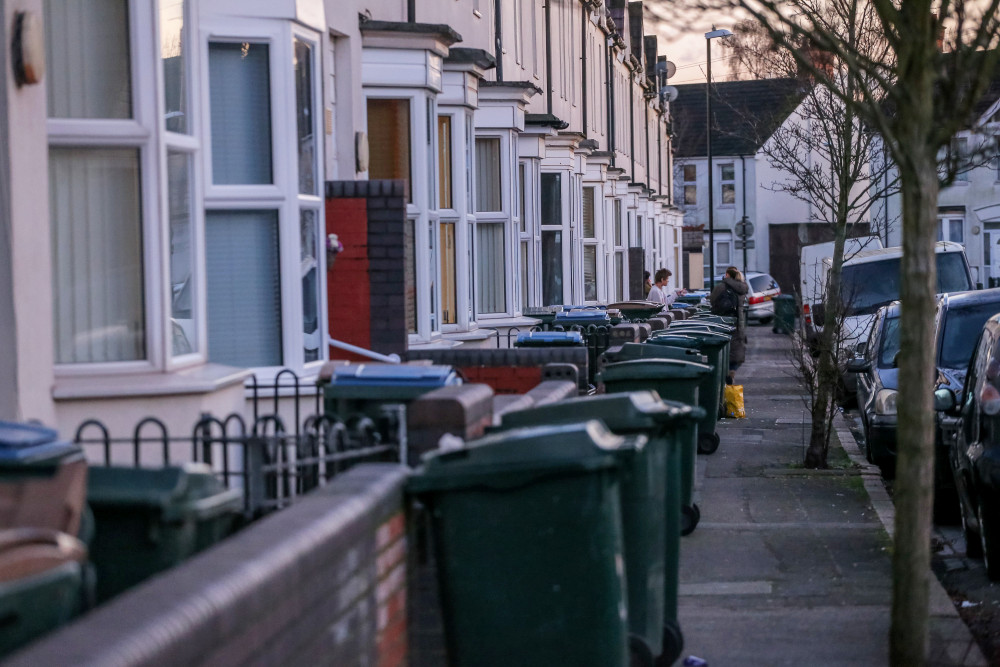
<point x="240" y="96"/>
<point x="590" y="273"/>
<point x="97" y="255"/>
<point x="312" y="337"/>
<point x="552" y="268"/>
<point x="87" y="47"/>
<point x="488" y="175"/>
<point x="389" y="141"/>
<point x="490" y="273"/>
<point x="588" y="213"/>
<point x="244" y="288"/>
<point x="448" y="292"/>
<point x="304" y="121"/>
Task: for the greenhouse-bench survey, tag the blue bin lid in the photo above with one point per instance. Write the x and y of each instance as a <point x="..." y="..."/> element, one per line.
<point x="583" y="317"/>
<point x="680" y="305"/>
<point x="556" y="337"/>
<point x="27" y="444"/>
<point x="394" y="375"/>
<point x="593" y="306"/>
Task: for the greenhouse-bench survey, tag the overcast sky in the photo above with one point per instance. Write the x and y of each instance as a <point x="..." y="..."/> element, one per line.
<point x="682" y="39"/>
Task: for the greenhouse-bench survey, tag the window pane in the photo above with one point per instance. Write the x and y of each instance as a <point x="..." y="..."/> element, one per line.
<point x="524" y="274"/>
<point x="940" y="230"/>
<point x="97" y="255"/>
<point x="590" y="273"/>
<point x="619" y="276"/>
<point x="728" y="172"/>
<point x="552" y="282"/>
<point x="955" y="230"/>
<point x="728" y="193"/>
<point x="410" y="274"/>
<point x="619" y="240"/>
<point x="588" y="213"/>
<point x="690" y="172"/>
<point x="444" y="162"/>
<point x="312" y="337"/>
<point x="172" y="54"/>
<point x="521" y="208"/>
<point x="304" y="121"/>
<point x="488" y="175"/>
<point x="240" y="96"/>
<point x="638" y="231"/>
<point x="490" y="273"/>
<point x="551" y="196"/>
<point x="389" y="141"/>
<point x="448" y="291"/>
<point x="690" y="195"/>
<point x="87" y="46"/>
<point x="722" y="254"/>
<point x="244" y="288"/>
<point x="184" y="340"/>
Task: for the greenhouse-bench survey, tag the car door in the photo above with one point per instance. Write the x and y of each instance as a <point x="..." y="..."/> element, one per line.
<point x="968" y="447"/>
<point x="866" y="388"/>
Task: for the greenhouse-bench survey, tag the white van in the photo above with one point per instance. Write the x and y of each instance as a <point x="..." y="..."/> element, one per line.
<point x="871" y="279"/>
<point x="814" y="266"/>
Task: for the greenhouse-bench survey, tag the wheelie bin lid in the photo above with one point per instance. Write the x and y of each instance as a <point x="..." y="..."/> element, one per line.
<point x="516" y="458"/>
<point x="593" y="306"/>
<point x="388" y="381"/>
<point x="673" y="339"/>
<point x="185" y="491"/>
<point x="631" y="351"/>
<point x="592" y="316"/>
<point x="30" y="445"/>
<point x="703" y="334"/>
<point x="632" y="411"/>
<point x="653" y="369"/>
<point x="549" y="339"/>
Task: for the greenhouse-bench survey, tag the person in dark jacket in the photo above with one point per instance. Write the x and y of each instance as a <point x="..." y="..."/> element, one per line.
<point x="733" y="281"/>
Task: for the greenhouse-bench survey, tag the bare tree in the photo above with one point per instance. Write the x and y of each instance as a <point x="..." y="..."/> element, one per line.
<point x="938" y="63"/>
<point x="824" y="153"/>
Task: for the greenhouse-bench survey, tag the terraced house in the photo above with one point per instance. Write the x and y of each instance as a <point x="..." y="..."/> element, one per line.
<point x="174" y="174"/>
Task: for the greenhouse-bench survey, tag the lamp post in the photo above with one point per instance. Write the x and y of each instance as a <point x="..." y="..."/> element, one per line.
<point x="709" y="36"/>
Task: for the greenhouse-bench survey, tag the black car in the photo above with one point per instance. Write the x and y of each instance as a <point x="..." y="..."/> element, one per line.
<point x="877" y="386"/>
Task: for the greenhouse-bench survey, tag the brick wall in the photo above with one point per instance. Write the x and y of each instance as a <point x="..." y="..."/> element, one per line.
<point x="367" y="300"/>
<point x="320" y="583"/>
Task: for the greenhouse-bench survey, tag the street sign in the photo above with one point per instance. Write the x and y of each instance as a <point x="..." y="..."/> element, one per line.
<point x="744" y="228"/>
<point x="748" y="244"/>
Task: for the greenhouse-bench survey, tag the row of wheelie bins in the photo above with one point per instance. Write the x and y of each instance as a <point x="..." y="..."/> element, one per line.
<point x="73" y="535"/>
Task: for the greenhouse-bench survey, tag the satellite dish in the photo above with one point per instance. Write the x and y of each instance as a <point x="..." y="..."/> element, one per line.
<point x="671" y="69"/>
<point x="666" y="68"/>
<point x="668" y="93"/>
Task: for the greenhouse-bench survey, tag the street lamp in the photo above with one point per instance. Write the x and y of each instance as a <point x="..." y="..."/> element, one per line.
<point x="709" y="36"/>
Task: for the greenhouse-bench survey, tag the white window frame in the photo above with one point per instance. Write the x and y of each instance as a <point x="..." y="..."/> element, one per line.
<point x="505" y="216"/>
<point x="944" y="228"/>
<point x="282" y="195"/>
<point x="594" y="241"/>
<point x="685" y="183"/>
<point x="723" y="182"/>
<point x="531" y="235"/>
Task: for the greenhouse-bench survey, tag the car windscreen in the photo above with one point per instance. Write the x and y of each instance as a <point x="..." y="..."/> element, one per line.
<point x="867" y="286"/>
<point x="762" y="283"/>
<point x="960" y="332"/>
<point x="890" y="344"/>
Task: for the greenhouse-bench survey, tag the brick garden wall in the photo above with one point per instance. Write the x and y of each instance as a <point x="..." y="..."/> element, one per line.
<point x="366" y="294"/>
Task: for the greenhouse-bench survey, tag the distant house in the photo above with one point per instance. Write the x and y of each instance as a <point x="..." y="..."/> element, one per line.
<point x="746" y="115"/>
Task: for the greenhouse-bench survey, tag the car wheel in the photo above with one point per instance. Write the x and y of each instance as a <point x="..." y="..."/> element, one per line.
<point x="989" y="539"/>
<point x="766" y="320"/>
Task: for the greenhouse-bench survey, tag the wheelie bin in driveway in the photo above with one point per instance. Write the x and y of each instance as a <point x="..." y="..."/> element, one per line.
<point x="527" y="529"/>
<point x="710" y="389"/>
<point x="650" y="507"/>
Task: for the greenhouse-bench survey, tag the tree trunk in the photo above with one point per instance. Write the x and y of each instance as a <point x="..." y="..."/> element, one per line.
<point x="914" y="487"/>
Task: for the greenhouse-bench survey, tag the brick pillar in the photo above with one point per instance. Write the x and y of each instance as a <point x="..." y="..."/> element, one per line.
<point x="365" y="290"/>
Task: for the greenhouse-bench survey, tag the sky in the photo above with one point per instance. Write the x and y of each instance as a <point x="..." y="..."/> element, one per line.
<point x="682" y="40"/>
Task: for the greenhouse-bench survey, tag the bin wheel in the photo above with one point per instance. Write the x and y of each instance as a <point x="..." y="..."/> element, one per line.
<point x="673" y="644"/>
<point x="690" y="516"/>
<point x="640" y="655"/>
<point x="708" y="443"/>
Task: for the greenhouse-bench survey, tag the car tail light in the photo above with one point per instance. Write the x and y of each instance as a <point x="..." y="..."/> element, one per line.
<point x="989" y="400"/>
<point x="757" y="299"/>
<point x="806" y="314"/>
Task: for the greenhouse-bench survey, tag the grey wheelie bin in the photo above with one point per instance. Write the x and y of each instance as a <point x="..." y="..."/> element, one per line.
<point x="650" y="507"/>
<point x="674" y="381"/>
<point x="688" y="432"/>
<point x="528" y="538"/>
<point x="710" y="389"/>
<point x="785" y="310"/>
<point x="150" y="519"/>
<point x="42" y="579"/>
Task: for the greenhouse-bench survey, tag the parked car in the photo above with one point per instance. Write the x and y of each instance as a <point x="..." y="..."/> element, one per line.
<point x="975" y="446"/>
<point x="877" y="384"/>
<point x="760" y="297"/>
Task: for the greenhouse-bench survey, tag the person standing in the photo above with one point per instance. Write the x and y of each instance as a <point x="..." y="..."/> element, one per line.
<point x="656" y="293"/>
<point x="646" y="285"/>
<point x="727" y="299"/>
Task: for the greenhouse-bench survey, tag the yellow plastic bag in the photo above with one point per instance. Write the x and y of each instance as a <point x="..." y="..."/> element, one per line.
<point x="733" y="402"/>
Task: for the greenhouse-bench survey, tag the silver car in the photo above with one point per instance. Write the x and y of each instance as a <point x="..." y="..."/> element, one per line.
<point x="760" y="297"/>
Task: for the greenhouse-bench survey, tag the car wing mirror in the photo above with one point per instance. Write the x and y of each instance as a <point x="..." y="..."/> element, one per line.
<point x="859" y="365"/>
<point x="945" y="400"/>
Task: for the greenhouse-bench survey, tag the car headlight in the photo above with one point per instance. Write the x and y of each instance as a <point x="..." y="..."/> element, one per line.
<point x="885" y="402"/>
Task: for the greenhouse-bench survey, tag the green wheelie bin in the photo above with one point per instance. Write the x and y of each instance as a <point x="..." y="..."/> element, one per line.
<point x="672" y="380"/>
<point x="650" y="507"/>
<point x="725" y="332"/>
<point x="713" y="346"/>
<point x="688" y="434"/>
<point x="785" y="309"/>
<point x="149" y="519"/>
<point x="527" y="529"/>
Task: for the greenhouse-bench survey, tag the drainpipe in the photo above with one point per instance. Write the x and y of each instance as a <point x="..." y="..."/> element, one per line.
<point x="498" y="30"/>
<point x="583" y="65"/>
<point x="631" y="121"/>
<point x="608" y="57"/>
<point x="743" y="163"/>
<point x="411" y="11"/>
<point x="548" y="55"/>
<point x="649" y="167"/>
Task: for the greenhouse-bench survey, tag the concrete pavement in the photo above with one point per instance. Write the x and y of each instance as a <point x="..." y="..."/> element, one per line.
<point x="791" y="566"/>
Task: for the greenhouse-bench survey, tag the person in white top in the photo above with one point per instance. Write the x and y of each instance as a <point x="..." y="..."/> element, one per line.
<point x="660" y="292"/>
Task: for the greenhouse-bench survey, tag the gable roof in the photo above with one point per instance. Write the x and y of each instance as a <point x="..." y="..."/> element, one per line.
<point x="746" y="114"/>
<point x="988" y="99"/>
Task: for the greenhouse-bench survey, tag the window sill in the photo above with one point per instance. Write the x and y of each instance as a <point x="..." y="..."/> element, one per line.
<point x="201" y="379"/>
<point x="438" y="344"/>
<point x="466" y="336"/>
<point x="509" y="322"/>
